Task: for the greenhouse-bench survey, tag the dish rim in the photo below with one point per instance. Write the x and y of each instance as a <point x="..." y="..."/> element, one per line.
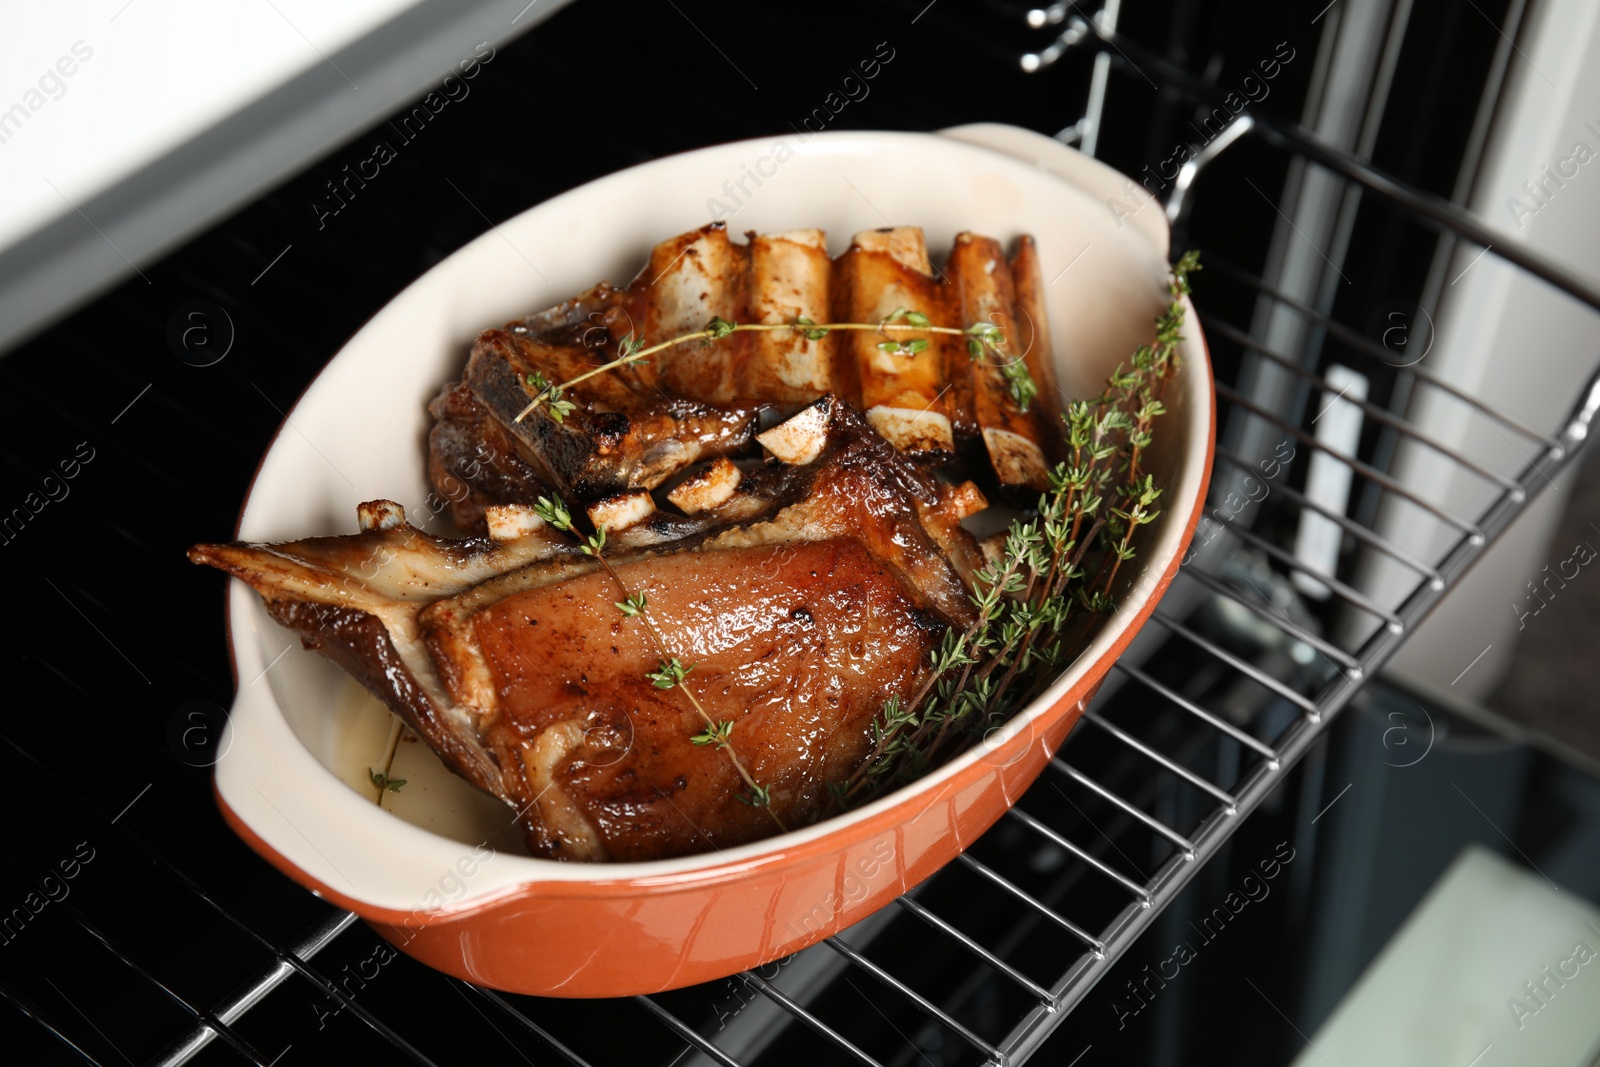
<point x="700" y="870"/>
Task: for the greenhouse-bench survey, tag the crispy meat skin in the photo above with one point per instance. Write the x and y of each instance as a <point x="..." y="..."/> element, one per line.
<point x="355" y="599"/>
<point x="473" y="461"/>
<point x="637" y="426"/>
<point x="359" y="643"/>
<point x="804" y="600"/>
<point x="617" y="439"/>
<point x="793" y="642"/>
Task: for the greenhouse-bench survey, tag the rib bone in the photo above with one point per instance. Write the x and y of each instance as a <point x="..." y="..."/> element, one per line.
<point x="635" y="426"/>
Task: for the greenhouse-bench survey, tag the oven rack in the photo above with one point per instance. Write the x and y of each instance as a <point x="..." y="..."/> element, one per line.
<point x="1152" y="763"/>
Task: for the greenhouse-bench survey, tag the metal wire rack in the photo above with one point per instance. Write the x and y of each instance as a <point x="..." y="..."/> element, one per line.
<point x="1154" y="772"/>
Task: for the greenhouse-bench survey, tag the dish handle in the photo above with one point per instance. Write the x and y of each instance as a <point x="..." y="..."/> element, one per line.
<point x="1127" y="202"/>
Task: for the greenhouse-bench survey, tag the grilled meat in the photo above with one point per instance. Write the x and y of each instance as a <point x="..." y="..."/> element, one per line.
<point x="638" y="426"/>
<point x="804" y="592"/>
<point x="620" y="438"/>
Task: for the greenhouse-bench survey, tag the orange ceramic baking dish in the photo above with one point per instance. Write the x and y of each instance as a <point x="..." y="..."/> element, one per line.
<point x="436" y="869"/>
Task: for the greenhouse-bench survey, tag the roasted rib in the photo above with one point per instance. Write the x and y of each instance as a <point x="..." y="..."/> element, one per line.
<point x="804" y="592"/>
<point x="637" y="426"/>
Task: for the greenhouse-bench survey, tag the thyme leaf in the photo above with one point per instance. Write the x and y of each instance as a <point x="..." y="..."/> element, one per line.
<point x="716" y="734"/>
<point x="382" y="780"/>
<point x="669" y="674"/>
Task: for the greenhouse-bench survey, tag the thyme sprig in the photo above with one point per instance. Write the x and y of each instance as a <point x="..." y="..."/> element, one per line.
<point x="559" y="407"/>
<point x="981" y="337"/>
<point x="671" y="672"/>
<point x="382" y="780"/>
<point x="1056" y="567"/>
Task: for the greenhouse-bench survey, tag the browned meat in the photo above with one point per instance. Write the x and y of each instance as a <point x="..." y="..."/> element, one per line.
<point x="689" y="279"/>
<point x="635" y="427"/>
<point x="1033" y="337"/>
<point x="982" y="287"/>
<point x="805" y="592"/>
<point x="790" y="278"/>
<point x="795" y="642"/>
<point x="904" y="395"/>
<point x="474" y="461"/>
<point x="617" y="439"/>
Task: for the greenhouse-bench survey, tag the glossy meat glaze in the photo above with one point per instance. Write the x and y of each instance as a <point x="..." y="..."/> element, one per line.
<point x="637" y="426"/>
<point x="805" y="595"/>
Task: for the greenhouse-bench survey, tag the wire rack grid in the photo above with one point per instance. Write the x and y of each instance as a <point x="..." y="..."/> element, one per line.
<point x="1149" y="760"/>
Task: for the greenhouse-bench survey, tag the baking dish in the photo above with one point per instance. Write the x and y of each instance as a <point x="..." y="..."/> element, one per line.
<point x="434" y="868"/>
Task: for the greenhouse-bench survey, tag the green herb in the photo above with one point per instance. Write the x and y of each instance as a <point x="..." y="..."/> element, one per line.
<point x="628" y="350"/>
<point x="551" y="395"/>
<point x="554" y="512"/>
<point x="986" y="337"/>
<point x="759" y="796"/>
<point x="905" y="348"/>
<point x="384" y="782"/>
<point x="812" y="335"/>
<point x="1020" y="383"/>
<point x="913" y="318"/>
<point x="716" y="734"/>
<point x="669" y="674"/>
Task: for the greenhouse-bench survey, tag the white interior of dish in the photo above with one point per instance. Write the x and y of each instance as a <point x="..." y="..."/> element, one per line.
<point x="302" y="736"/>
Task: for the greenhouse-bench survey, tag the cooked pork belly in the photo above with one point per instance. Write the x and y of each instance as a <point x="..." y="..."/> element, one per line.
<point x="475" y="462"/>
<point x="904" y="395"/>
<point x="1032" y="338"/>
<point x="618" y="439"/>
<point x="804" y="592"/>
<point x="790" y="278"/>
<point x="982" y="285"/>
<point x="637" y="426"/>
